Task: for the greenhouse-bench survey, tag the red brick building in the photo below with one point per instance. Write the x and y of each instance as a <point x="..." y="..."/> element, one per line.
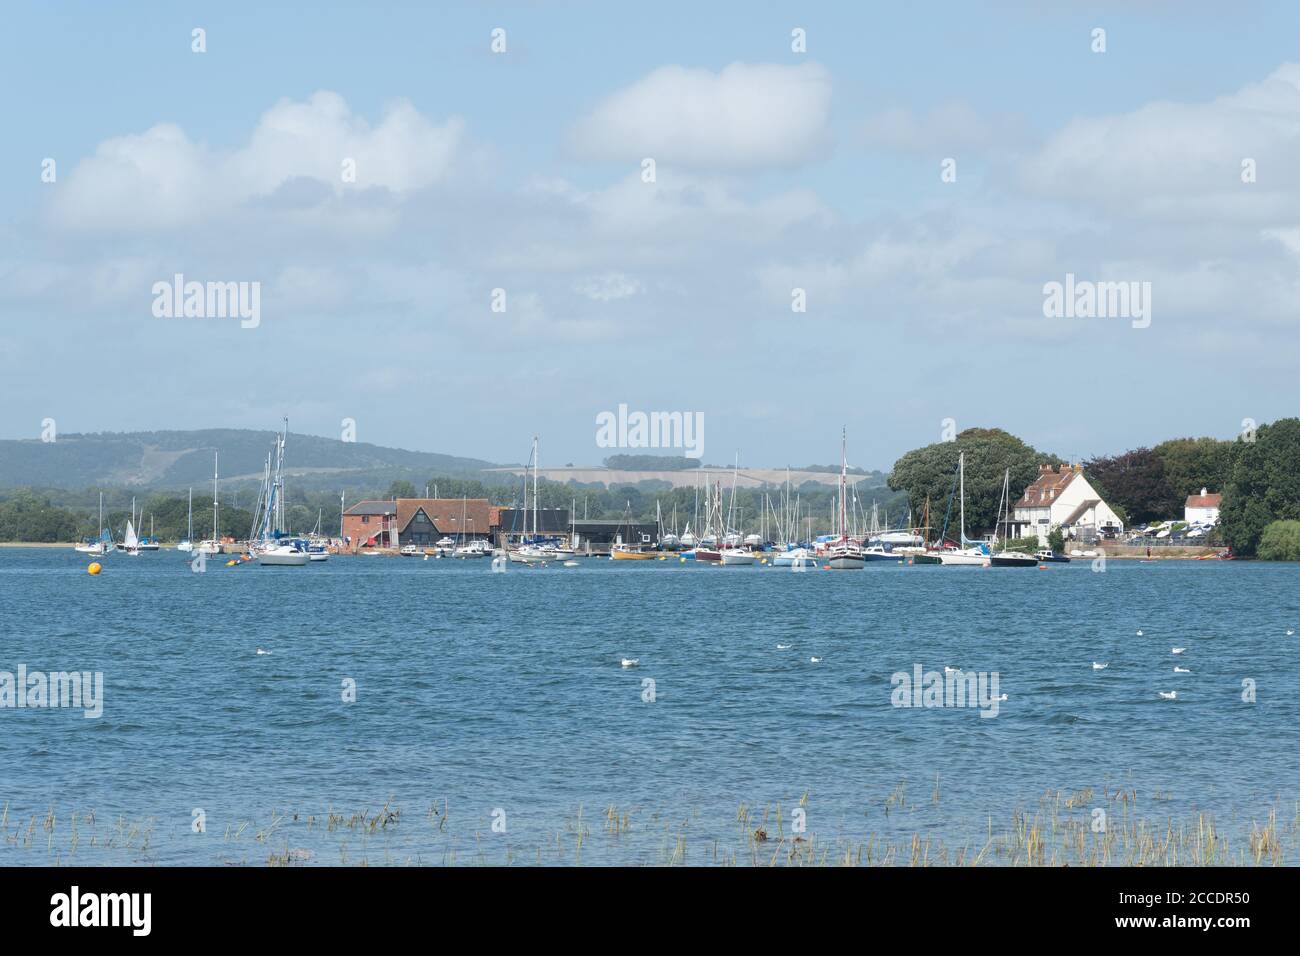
<point x="418" y="521"/>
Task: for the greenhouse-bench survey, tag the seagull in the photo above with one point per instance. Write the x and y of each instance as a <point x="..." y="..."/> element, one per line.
<point x="1139" y="633"/>
<point x="260" y="652"/>
<point x="1002" y="698"/>
<point x="1289" y="632"/>
<point x="814" y="660"/>
<point x="1170" y="695"/>
<point x="783" y="647"/>
<point x="1100" y="667"/>
<point x="631" y="661"/>
<point x="1182" y="670"/>
<point x="951" y="670"/>
<point x="1178" y="650"/>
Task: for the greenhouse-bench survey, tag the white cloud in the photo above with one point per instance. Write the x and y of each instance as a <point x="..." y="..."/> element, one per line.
<point x="1151" y="160"/>
<point x="160" y="180"/>
<point x="744" y="117"/>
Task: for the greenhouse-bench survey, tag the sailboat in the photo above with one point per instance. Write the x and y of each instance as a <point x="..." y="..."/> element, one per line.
<point x="104" y="543"/>
<point x="1005" y="558"/>
<point x="267" y="541"/>
<point x="733" y="552"/>
<point x="668" y="540"/>
<point x="969" y="553"/>
<point x="212" y="545"/>
<point x="628" y="552"/>
<point x="472" y="549"/>
<point x="150" y="543"/>
<point x="130" y="543"/>
<point x="317" y="543"/>
<point x="530" y="552"/>
<point x="706" y="548"/>
<point x="188" y="544"/>
<point x="846" y="554"/>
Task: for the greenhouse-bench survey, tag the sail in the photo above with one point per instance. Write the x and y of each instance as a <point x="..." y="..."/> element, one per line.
<point x="130" y="541"/>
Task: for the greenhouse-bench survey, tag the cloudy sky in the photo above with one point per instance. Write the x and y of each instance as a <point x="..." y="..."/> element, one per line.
<point x="774" y="170"/>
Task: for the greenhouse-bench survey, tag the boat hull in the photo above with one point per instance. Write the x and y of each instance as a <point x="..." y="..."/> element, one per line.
<point x="1013" y="561"/>
<point x="737" y="558"/>
<point x="964" y="560"/>
<point x="631" y="556"/>
<point x="294" y="559"/>
<point x="845" y="562"/>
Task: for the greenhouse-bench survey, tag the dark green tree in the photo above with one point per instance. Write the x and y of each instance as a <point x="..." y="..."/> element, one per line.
<point x="929" y="471"/>
<point x="1135" y="483"/>
<point x="1264" y="485"/>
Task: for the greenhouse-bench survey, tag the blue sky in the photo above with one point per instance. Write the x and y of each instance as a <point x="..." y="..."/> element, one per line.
<point x="774" y="170"/>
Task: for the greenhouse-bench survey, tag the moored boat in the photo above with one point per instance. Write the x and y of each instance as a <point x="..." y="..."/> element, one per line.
<point x="845" y="554"/>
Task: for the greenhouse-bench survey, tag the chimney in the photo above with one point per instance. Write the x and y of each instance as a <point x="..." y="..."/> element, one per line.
<point x="1203" y="492"/>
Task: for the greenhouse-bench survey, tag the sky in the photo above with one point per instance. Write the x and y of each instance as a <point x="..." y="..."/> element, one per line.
<point x="457" y="248"/>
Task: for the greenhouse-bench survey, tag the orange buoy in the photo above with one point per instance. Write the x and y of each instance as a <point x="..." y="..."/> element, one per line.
<point x="95" y="568"/>
<point x="1042" y="567"/>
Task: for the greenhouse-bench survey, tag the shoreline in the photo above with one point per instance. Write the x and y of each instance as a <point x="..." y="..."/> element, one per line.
<point x="1127" y="554"/>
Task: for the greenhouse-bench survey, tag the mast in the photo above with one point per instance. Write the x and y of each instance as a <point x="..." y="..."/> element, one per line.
<point x="961" y="471"/>
<point x="535" y="489"/>
<point x="844" y="482"/>
<point x="215" y="504"/>
<point x="189" y="536"/>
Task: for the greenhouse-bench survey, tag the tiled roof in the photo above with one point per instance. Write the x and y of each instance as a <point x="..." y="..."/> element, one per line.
<point x="449" y="515"/>
<point x="1047" y="487"/>
<point x="373" y="508"/>
<point x="1204" y="501"/>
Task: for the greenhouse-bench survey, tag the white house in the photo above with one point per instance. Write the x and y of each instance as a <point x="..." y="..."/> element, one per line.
<point x="1202" y="508"/>
<point x="1063" y="499"/>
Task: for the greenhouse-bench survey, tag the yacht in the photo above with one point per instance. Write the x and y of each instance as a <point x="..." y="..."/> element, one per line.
<point x="288" y="555"/>
<point x="736" y="556"/>
<point x="845" y="554"/>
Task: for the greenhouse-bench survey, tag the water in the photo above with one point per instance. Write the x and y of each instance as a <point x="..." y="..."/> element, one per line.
<point x="482" y="692"/>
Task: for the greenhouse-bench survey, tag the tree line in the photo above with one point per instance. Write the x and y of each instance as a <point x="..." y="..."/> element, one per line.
<point x="1257" y="473"/>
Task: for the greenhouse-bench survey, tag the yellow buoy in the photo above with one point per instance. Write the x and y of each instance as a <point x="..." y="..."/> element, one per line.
<point x="94" y="568"/>
<point x="681" y="560"/>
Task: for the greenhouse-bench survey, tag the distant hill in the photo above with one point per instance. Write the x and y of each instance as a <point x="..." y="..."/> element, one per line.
<point x="179" y="459"/>
<point x="687" y="478"/>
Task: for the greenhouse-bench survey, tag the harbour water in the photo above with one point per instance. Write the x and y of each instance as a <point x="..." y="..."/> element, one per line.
<point x="494" y="721"/>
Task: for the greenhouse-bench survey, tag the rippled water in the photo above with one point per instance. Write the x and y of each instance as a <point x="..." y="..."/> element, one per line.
<point x="479" y="692"/>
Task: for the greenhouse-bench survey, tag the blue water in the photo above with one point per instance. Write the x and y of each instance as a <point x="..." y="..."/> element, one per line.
<point x="481" y="691"/>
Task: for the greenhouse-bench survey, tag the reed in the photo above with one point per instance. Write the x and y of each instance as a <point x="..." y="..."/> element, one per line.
<point x="1060" y="829"/>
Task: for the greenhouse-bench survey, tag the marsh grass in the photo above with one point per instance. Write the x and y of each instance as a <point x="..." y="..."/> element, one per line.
<point x="1060" y="828"/>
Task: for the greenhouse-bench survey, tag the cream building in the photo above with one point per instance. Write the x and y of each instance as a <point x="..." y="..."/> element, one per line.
<point x="1063" y="499"/>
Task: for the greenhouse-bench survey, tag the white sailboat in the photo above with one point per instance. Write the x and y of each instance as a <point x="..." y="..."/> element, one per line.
<point x="212" y="545"/>
<point x="188" y="544"/>
<point x="271" y="549"/>
<point x="130" y="543"/>
<point x="845" y="554"/>
<point x="104" y="543"/>
<point x="530" y="553"/>
<point x="969" y="553"/>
